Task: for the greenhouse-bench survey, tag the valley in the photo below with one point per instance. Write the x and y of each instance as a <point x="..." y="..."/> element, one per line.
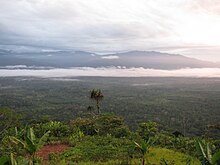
<point x="188" y="105"/>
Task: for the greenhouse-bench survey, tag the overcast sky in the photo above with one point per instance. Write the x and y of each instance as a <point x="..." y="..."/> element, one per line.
<point x="188" y="27"/>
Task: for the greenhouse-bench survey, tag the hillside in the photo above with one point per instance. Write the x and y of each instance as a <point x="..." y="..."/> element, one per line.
<point x="66" y="59"/>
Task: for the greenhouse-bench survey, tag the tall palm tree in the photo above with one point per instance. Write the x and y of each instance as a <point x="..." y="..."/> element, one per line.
<point x="97" y="95"/>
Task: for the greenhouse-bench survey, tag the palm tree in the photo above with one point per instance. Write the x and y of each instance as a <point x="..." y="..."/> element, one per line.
<point x="205" y="155"/>
<point x="143" y="148"/>
<point x="90" y="109"/>
<point x="30" y="143"/>
<point x="96" y="95"/>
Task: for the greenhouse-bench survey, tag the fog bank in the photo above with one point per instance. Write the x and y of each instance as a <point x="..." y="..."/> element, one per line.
<point x="112" y="72"/>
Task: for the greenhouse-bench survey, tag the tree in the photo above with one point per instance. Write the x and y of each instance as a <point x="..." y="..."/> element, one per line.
<point x="56" y="128"/>
<point x="8" y="119"/>
<point x="147" y="130"/>
<point x="185" y="122"/>
<point x="113" y="125"/>
<point x="97" y="96"/>
<point x="143" y="148"/>
<point x="30" y="142"/>
<point x="90" y="109"/>
<point x="87" y="125"/>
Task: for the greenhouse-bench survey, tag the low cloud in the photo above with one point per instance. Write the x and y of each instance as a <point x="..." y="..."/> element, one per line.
<point x="12" y="67"/>
<point x="110" y="57"/>
<point x="112" y="72"/>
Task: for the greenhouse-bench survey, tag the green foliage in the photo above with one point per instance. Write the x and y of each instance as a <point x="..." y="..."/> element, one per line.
<point x="72" y="155"/>
<point x="30" y="143"/>
<point x="4" y="160"/>
<point x="11" y="160"/>
<point x="113" y="125"/>
<point x="162" y="100"/>
<point x="143" y="147"/>
<point x="8" y="119"/>
<point x="56" y="128"/>
<point x="165" y="162"/>
<point x="87" y="125"/>
<point x="101" y="148"/>
<point x="147" y="130"/>
<point x="181" y="144"/>
<point x="76" y="137"/>
<point x="7" y="147"/>
<point x="101" y="125"/>
<point x="105" y="138"/>
<point x="204" y="152"/>
<point x="157" y="156"/>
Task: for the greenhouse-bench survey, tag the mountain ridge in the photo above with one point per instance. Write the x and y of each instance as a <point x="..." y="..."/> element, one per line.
<point x="69" y="58"/>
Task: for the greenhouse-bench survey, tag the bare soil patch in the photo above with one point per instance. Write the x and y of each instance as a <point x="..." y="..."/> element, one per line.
<point x="48" y="149"/>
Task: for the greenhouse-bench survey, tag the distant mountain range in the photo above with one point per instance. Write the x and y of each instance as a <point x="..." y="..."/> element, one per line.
<point x="66" y="59"/>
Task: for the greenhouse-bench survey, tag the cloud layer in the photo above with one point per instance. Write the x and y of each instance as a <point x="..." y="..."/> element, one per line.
<point x="111" y="72"/>
<point x="111" y="25"/>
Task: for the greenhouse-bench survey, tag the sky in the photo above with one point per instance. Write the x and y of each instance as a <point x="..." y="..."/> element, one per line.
<point x="187" y="27"/>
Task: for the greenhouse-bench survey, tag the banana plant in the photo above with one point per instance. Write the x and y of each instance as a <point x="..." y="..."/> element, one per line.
<point x="12" y="160"/>
<point x="205" y="154"/>
<point x="143" y="148"/>
<point x="8" y="160"/>
<point x="30" y="143"/>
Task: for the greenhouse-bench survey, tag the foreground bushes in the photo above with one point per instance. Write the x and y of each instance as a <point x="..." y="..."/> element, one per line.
<point x="100" y="138"/>
<point x="101" y="125"/>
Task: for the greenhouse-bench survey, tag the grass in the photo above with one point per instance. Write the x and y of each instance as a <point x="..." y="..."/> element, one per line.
<point x="157" y="154"/>
<point x="154" y="157"/>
